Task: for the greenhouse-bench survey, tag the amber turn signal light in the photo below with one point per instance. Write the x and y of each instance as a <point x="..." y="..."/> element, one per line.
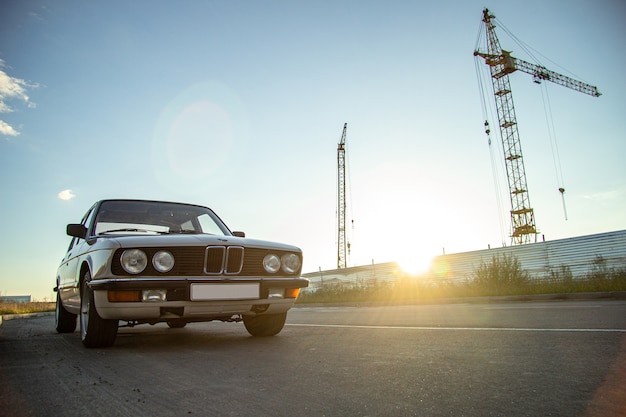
<point x="292" y="292"/>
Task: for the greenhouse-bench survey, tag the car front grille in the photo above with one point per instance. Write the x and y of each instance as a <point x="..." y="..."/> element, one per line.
<point x="206" y="261"/>
<point x="223" y="259"/>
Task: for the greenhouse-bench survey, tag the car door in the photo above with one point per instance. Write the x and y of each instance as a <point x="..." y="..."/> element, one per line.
<point x="69" y="270"/>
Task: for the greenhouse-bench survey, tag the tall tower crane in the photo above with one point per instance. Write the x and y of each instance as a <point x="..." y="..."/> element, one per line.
<point x="342" y="243"/>
<point x="501" y="64"/>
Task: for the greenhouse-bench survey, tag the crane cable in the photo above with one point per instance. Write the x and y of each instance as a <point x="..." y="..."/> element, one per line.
<point x="532" y="51"/>
<point x="556" y="160"/>
<point x="348" y="180"/>
<point x="492" y="154"/>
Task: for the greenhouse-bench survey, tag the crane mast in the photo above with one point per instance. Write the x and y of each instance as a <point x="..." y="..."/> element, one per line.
<point x="341" y="200"/>
<point x="501" y="64"/>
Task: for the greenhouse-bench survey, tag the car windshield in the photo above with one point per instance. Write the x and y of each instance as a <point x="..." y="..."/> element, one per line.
<point x="151" y="217"/>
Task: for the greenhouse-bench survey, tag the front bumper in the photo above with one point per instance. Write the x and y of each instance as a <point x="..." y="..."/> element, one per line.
<point x="180" y="303"/>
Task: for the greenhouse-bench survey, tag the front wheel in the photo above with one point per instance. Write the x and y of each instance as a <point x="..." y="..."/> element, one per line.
<point x="265" y="325"/>
<point x="176" y="323"/>
<point x="95" y="332"/>
<point x="64" y="320"/>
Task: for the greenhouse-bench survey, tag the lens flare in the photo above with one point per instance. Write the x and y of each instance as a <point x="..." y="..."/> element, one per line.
<point x="196" y="135"/>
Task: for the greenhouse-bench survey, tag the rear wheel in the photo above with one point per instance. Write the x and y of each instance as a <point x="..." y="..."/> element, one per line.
<point x="94" y="330"/>
<point x="265" y="325"/>
<point x="64" y="320"/>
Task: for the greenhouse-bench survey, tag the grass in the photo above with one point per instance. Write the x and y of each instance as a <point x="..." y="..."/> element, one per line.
<point x="501" y="276"/>
<point x="24" y="308"/>
<point x="415" y="290"/>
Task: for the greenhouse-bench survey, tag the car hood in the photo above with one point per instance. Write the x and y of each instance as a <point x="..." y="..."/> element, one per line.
<point x="126" y="241"/>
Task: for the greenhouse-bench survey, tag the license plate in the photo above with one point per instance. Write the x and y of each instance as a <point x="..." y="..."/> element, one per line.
<point x="224" y="291"/>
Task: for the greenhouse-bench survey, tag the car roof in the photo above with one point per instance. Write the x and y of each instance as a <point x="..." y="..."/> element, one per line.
<point x="147" y="201"/>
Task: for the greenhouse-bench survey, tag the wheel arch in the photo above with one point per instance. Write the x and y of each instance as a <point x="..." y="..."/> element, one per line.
<point x="85" y="266"/>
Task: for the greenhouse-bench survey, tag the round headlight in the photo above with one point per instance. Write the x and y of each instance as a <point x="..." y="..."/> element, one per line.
<point x="271" y="263"/>
<point x="163" y="261"/>
<point x="290" y="262"/>
<point x="134" y="261"/>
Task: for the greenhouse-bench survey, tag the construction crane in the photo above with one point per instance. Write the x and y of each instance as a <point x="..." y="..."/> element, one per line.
<point x="501" y="64"/>
<point x="342" y="243"/>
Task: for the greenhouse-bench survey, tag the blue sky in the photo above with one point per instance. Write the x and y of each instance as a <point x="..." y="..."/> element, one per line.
<point x="239" y="105"/>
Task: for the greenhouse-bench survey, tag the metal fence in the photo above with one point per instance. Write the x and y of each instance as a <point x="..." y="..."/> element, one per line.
<point x="578" y="255"/>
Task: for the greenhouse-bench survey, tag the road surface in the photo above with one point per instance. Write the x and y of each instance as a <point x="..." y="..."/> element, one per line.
<point x="511" y="359"/>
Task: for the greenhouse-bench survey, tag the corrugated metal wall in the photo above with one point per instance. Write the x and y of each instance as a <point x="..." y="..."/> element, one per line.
<point x="578" y="254"/>
<point x="366" y="274"/>
<point x="540" y="259"/>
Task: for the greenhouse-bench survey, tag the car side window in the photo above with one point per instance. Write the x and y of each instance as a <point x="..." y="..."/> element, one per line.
<point x="208" y="225"/>
<point x="87" y="220"/>
<point x="72" y="243"/>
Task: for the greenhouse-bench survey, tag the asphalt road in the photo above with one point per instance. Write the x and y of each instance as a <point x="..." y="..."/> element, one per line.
<point x="511" y="359"/>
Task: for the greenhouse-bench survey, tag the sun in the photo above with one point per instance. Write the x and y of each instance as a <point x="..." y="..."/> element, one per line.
<point x="415" y="263"/>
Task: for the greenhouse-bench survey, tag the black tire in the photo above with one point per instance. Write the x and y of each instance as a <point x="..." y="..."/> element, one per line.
<point x="265" y="325"/>
<point x="95" y="332"/>
<point x="64" y="320"/>
<point x="176" y="323"/>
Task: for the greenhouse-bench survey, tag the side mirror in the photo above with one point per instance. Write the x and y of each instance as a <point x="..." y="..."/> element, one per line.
<point x="77" y="230"/>
<point x="239" y="234"/>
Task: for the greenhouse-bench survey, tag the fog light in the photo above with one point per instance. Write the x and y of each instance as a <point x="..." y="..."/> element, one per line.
<point x="276" y="293"/>
<point x="154" y="295"/>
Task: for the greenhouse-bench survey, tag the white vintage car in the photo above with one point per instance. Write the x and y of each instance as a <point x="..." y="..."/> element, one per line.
<point x="135" y="261"/>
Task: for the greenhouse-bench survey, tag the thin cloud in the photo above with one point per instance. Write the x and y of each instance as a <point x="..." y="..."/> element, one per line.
<point x="12" y="88"/>
<point x="66" y="195"/>
<point x="609" y="195"/>
<point x="7" y="130"/>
